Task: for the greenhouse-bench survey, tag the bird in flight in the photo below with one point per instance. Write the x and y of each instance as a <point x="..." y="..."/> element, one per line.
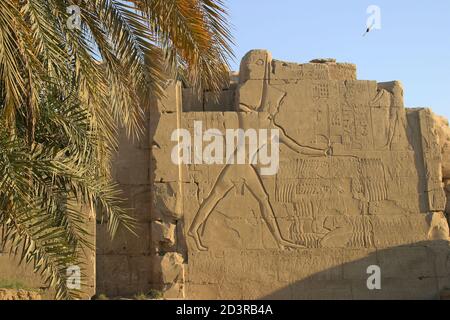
<point x="368" y="29"/>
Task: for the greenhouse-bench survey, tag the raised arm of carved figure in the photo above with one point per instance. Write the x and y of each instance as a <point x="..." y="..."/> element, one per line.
<point x="293" y="145"/>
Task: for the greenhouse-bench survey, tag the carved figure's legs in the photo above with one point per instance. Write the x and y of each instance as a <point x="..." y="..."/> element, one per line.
<point x="219" y="191"/>
<point x="392" y="129"/>
<point x="221" y="188"/>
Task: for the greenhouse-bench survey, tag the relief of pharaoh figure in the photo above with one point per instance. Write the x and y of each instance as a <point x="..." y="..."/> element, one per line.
<point x="247" y="176"/>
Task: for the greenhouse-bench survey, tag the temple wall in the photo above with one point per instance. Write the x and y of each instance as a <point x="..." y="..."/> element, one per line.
<point x="362" y="181"/>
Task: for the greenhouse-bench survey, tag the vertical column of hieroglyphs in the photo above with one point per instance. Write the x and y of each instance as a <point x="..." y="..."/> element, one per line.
<point x="432" y="148"/>
<point x="443" y="131"/>
<point x="433" y="161"/>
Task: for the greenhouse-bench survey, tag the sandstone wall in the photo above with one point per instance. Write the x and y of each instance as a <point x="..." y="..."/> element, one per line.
<point x="360" y="183"/>
<point x="443" y="133"/>
<point x="124" y="265"/>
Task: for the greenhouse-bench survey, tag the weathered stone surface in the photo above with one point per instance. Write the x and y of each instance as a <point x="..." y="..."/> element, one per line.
<point x="124" y="275"/>
<point x="439" y="229"/>
<point x="163" y="234"/>
<point x="124" y="241"/>
<point x="432" y="161"/>
<point x="170" y="273"/>
<point x="223" y="101"/>
<point x="132" y="165"/>
<point x="172" y="97"/>
<point x="172" y="268"/>
<point x="13" y="272"/>
<point x="13" y="294"/>
<point x="174" y="291"/>
<point x="318" y="69"/>
<point x="360" y="183"/>
<point x="443" y="133"/>
<point x="342" y="71"/>
<point x="192" y="101"/>
<point x="167" y="201"/>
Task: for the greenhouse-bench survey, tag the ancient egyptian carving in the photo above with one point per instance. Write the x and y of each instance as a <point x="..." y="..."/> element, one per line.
<point x="247" y="175"/>
<point x="357" y="173"/>
<point x="322" y="191"/>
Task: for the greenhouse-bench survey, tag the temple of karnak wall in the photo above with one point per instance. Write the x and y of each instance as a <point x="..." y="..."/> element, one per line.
<point x="361" y="182"/>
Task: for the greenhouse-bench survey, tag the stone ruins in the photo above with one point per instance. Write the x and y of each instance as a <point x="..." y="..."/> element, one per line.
<point x="362" y="182"/>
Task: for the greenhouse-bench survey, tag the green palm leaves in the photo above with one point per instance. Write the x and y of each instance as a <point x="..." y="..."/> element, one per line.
<point x="63" y="94"/>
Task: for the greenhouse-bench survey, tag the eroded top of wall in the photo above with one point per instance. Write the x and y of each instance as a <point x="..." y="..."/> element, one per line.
<point x="258" y="65"/>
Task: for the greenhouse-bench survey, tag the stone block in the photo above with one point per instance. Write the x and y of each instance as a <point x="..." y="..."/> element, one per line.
<point x="170" y="268"/>
<point x="124" y="242"/>
<point x="192" y="100"/>
<point x="220" y="102"/>
<point x="163" y="234"/>
<point x="172" y="99"/>
<point x="406" y="263"/>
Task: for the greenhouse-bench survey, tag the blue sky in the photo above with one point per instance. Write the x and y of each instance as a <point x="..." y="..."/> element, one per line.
<point x="413" y="44"/>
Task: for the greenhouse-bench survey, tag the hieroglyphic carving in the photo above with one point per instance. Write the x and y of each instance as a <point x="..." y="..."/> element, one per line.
<point x="432" y="160"/>
<point x="293" y="71"/>
<point x="373" y="177"/>
<point x="321" y="91"/>
<point x="310" y="187"/>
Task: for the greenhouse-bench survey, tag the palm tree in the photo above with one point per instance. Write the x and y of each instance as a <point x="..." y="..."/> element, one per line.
<point x="63" y="93"/>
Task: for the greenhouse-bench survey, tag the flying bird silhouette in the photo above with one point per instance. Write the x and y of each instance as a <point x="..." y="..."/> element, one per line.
<point x="368" y="29"/>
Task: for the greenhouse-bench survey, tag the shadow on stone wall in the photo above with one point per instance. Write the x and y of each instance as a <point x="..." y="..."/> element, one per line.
<point x="124" y="265"/>
<point x="417" y="271"/>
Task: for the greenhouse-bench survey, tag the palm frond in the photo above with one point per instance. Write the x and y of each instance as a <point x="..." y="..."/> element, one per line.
<point x="63" y="95"/>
